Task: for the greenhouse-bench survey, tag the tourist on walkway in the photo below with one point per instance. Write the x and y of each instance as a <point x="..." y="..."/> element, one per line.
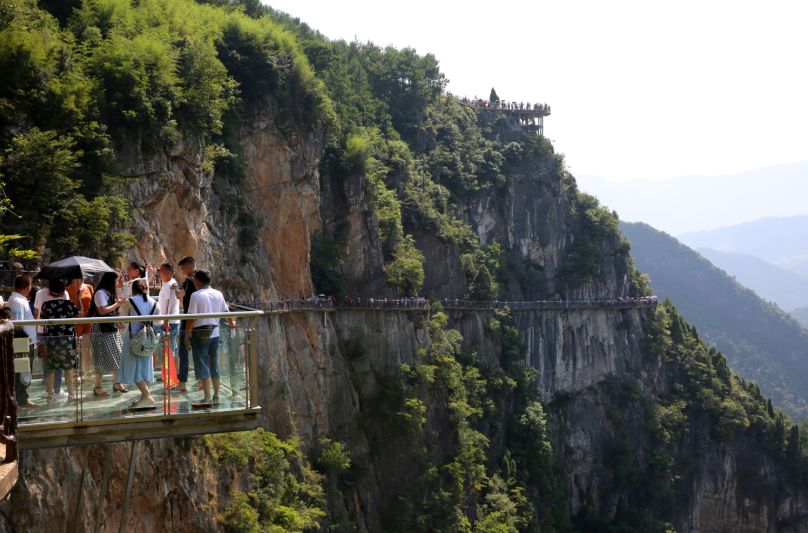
<point x="135" y="272"/>
<point x="168" y="303"/>
<point x="187" y="266"/>
<point x="136" y="368"/>
<point x="81" y="294"/>
<point x="42" y="296"/>
<point x="202" y="335"/>
<point x="60" y="340"/>
<point x="107" y="343"/>
<point x="21" y="310"/>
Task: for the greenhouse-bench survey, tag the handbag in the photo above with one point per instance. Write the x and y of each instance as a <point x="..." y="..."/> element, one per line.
<point x="108" y="327"/>
<point x="146" y="340"/>
<point x="104" y="327"/>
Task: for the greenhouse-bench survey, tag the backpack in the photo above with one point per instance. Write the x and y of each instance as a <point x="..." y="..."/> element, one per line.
<point x="146" y="340"/>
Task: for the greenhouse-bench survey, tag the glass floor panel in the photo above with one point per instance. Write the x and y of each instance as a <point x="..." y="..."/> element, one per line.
<point x="232" y="396"/>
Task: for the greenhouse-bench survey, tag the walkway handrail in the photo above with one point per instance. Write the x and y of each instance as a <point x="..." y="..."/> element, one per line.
<point x="422" y="304"/>
<point x="247" y="313"/>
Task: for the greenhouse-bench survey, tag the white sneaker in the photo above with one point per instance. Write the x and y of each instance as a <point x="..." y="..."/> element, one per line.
<point x="60" y="395"/>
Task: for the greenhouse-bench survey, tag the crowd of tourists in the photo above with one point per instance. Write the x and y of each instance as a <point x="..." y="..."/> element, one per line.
<point x="502" y="105"/>
<point x="117" y="349"/>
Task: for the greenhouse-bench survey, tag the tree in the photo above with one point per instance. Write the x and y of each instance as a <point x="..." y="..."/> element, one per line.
<point x="494" y="97"/>
<point x="6" y="240"/>
<point x="794" y="448"/>
<point x="406" y="270"/>
<point x="37" y="166"/>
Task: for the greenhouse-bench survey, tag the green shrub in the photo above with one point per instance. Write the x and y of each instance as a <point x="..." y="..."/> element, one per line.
<point x="284" y="493"/>
<point x="406" y="270"/>
<point x="333" y="457"/>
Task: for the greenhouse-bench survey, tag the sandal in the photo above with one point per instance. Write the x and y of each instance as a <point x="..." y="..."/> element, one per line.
<point x="120" y="388"/>
<point x="147" y="403"/>
<point x="97" y="393"/>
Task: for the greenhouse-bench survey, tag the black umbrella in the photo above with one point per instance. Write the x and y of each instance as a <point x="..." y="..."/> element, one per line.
<point x="76" y="267"/>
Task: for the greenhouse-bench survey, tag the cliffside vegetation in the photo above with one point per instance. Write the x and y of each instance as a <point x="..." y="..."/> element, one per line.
<point x="762" y="343"/>
<point x="464" y="446"/>
<point x="88" y="80"/>
<point x="101" y="76"/>
<point x="285" y="494"/>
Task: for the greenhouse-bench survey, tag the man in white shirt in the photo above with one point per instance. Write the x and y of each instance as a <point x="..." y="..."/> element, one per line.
<point x="21" y="310"/>
<point x="168" y="303"/>
<point x="202" y="335"/>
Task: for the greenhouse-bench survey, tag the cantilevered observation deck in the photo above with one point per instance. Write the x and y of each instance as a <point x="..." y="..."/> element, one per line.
<point x="87" y="418"/>
<point x="529" y="116"/>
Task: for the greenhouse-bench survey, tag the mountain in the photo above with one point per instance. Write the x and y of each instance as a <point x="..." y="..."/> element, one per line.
<point x="800" y="314"/>
<point x="771" y="282"/>
<point x="779" y="240"/>
<point x="289" y="164"/>
<point x="761" y="342"/>
<point x="696" y="203"/>
<point x="796" y="263"/>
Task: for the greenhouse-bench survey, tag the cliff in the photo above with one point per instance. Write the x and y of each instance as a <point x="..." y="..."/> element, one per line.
<point x="447" y="420"/>
<point x="315" y="382"/>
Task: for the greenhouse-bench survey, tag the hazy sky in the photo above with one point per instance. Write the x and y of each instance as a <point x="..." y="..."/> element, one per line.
<point x="638" y="89"/>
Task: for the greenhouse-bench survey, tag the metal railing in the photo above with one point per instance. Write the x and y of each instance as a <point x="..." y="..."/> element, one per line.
<point x="8" y="411"/>
<point x="553" y="305"/>
<point x="418" y="304"/>
<point x="244" y="313"/>
<point x="238" y="358"/>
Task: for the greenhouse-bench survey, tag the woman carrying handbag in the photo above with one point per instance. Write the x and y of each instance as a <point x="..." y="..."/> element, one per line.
<point x="106" y="340"/>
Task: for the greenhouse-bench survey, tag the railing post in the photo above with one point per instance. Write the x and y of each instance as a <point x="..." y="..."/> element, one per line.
<point x="104" y="484"/>
<point x="252" y="350"/>
<point x="129" y="479"/>
<point x="8" y="398"/>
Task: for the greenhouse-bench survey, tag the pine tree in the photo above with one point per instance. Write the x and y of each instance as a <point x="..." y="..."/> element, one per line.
<point x="493" y="97"/>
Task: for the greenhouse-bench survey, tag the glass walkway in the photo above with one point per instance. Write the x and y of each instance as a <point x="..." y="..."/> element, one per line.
<point x="81" y="412"/>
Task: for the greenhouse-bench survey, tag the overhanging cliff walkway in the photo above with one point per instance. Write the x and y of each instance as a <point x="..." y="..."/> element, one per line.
<point x="93" y="414"/>
<point x="85" y="414"/>
<point x="329" y="305"/>
<point x="530" y="117"/>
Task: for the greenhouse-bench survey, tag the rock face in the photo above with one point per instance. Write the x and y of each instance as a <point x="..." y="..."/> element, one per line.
<point x="178" y="212"/>
<point x="312" y="385"/>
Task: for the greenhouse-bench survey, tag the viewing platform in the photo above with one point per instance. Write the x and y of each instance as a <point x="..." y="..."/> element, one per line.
<point x="90" y="418"/>
<point x="530" y="116"/>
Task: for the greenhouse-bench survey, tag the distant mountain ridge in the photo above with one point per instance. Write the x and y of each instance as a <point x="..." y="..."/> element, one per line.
<point x="760" y="341"/>
<point x="782" y="241"/>
<point x="695" y="203"/>
<point x="774" y="283"/>
<point x="801" y="315"/>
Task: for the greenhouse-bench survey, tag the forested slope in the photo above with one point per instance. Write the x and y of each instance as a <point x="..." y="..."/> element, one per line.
<point x="762" y="342"/>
